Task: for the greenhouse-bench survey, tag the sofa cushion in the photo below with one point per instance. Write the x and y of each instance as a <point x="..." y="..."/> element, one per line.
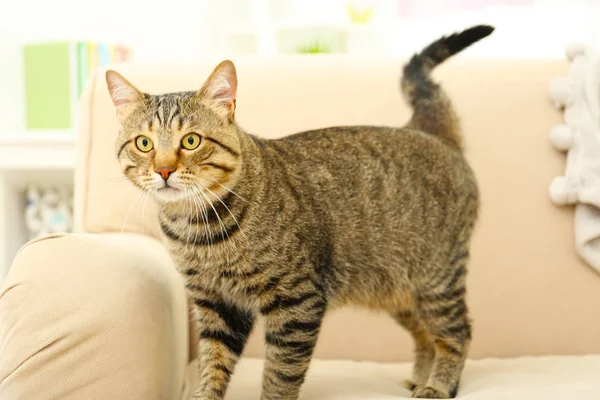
<point x="547" y="377"/>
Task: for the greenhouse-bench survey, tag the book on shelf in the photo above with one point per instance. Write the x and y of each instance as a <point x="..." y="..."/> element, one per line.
<point x="55" y="76"/>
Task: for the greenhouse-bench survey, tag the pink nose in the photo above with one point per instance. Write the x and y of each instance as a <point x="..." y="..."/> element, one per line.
<point x="165" y="172"/>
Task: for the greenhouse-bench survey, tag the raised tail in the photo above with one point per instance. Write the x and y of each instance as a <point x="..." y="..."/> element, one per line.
<point x="433" y="112"/>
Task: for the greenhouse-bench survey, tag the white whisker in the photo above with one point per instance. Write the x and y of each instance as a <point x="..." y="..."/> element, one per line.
<point x="144" y="211"/>
<point x="227" y="208"/>
<point x="224" y="231"/>
<point x="130" y="209"/>
<point x="204" y="216"/>
<point x="189" y="202"/>
<point x="223" y="227"/>
<point x="195" y="216"/>
<point x="137" y="214"/>
<point x="199" y="209"/>
<point x="229" y="190"/>
<point x="204" y="210"/>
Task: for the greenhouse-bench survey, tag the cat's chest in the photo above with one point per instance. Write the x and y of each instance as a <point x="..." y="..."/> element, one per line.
<point x="229" y="274"/>
<point x="211" y="263"/>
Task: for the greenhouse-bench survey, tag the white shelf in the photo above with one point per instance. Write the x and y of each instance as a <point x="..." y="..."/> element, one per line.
<point x="37" y="150"/>
<point x="26" y="157"/>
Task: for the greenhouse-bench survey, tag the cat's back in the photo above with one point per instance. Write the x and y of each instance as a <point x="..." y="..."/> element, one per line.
<point x="378" y="190"/>
<point x="344" y="152"/>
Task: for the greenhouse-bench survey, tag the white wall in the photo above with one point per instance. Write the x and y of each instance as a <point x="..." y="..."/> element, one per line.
<point x="190" y="29"/>
<point x="539" y="31"/>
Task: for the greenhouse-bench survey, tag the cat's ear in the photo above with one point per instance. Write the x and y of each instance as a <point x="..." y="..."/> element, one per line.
<point x="124" y="95"/>
<point x="220" y="89"/>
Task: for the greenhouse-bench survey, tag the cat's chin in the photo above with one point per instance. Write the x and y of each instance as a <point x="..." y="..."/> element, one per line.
<point x="169" y="195"/>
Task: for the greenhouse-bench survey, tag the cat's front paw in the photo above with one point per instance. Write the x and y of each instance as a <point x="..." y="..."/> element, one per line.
<point x="427" y="392"/>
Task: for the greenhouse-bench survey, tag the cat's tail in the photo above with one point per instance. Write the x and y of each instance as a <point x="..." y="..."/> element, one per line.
<point x="433" y="112"/>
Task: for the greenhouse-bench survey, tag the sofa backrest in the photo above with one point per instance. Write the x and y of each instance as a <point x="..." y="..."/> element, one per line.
<point x="528" y="292"/>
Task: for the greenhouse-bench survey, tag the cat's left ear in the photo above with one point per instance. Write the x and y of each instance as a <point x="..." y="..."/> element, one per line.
<point x="220" y="89"/>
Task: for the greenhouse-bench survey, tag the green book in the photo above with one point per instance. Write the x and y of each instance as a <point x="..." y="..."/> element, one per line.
<point x="50" y="85"/>
<point x="55" y="75"/>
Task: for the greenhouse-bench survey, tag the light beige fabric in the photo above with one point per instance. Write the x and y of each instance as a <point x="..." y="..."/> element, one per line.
<point x="547" y="378"/>
<point x="528" y="292"/>
<point x="94" y="317"/>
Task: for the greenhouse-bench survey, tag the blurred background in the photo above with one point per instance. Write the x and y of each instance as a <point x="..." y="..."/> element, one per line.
<point x="49" y="48"/>
<point x="192" y="29"/>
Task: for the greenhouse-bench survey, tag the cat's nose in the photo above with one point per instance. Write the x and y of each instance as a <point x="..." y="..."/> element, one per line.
<point x="165" y="172"/>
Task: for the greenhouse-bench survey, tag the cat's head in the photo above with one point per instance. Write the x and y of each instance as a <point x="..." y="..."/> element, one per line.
<point x="180" y="145"/>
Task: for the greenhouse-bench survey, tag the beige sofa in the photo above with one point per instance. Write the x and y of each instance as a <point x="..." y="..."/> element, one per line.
<point x="535" y="305"/>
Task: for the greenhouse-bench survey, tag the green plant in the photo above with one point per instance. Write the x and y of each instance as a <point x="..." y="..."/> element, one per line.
<point x="314" y="47"/>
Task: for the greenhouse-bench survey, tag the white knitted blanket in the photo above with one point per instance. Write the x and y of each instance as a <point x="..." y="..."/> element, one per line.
<point x="579" y="95"/>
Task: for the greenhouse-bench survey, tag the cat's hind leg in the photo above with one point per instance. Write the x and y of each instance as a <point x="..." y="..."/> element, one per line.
<point x="424" y="352"/>
<point x="445" y="315"/>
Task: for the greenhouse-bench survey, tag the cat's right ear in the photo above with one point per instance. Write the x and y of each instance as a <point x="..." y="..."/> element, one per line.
<point x="124" y="95"/>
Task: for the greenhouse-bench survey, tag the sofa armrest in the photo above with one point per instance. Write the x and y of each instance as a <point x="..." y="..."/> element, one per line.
<point x="94" y="316"/>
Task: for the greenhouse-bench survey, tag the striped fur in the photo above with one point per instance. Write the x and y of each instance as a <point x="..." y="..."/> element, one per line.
<point x="290" y="228"/>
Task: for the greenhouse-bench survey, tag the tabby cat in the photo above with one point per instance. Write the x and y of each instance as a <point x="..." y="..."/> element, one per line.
<point x="379" y="217"/>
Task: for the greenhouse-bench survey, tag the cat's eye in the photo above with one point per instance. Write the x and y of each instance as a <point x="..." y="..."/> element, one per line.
<point x="190" y="141"/>
<point x="144" y="143"/>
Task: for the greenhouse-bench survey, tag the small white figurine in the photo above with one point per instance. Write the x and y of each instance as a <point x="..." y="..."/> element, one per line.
<point x="48" y="210"/>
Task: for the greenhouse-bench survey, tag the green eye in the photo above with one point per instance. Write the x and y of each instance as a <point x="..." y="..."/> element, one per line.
<point x="144" y="143"/>
<point x="190" y="141"/>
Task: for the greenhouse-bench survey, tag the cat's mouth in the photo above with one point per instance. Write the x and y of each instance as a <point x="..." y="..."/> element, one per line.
<point x="169" y="193"/>
<point x="168" y="189"/>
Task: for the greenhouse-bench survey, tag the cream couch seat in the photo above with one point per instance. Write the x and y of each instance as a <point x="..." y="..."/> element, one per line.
<point x="535" y="305"/>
